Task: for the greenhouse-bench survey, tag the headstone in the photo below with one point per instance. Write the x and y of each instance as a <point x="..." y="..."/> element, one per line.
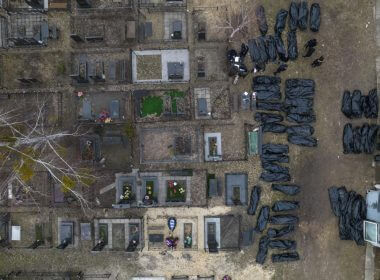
<point x="202" y="107"/>
<point x="85" y="231"/>
<point x="115" y="109"/>
<point x="16" y="233"/>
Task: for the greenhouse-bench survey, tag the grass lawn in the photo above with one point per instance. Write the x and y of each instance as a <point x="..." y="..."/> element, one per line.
<point x="152" y="105"/>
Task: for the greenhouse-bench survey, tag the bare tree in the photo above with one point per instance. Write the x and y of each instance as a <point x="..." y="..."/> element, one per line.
<point x="236" y="18"/>
<point x="28" y="143"/>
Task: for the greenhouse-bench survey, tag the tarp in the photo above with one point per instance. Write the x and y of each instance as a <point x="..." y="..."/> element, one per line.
<point x="305" y="141"/>
<point x="293" y="16"/>
<point x="261" y="44"/>
<point x="286" y="188"/>
<point x="298" y="118"/>
<point x="262" y="219"/>
<point x="266" y="80"/>
<point x="350" y="207"/>
<point x="315" y="17"/>
<point x="275" y="157"/>
<point x="298" y="102"/>
<point x="271" y="48"/>
<point x="292" y="45"/>
<point x="303" y="15"/>
<point x="283" y="244"/>
<point x="285" y="257"/>
<point x="280" y="21"/>
<point x="347" y="104"/>
<point x="276" y="233"/>
<point x="254" y="200"/>
<point x="371" y="105"/>
<point x="283" y="219"/>
<point x="269" y="106"/>
<point x="274" y="127"/>
<point x="261" y="20"/>
<point x="301" y="130"/>
<point x="271" y="148"/>
<point x="272" y="167"/>
<point x="356" y="103"/>
<point x="275" y="177"/>
<point x="268" y="117"/>
<point x="263" y="250"/>
<point x="280" y="47"/>
<point x="285" y="205"/>
<point x="359" y="139"/>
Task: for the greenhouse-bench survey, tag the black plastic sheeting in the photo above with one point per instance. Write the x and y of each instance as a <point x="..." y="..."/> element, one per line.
<point x="271" y="148"/>
<point x="254" y="51"/>
<point x="274" y="127"/>
<point x="283" y="219"/>
<point x="280" y="47"/>
<point x="303" y="15"/>
<point x="268" y="93"/>
<point x="271" y="48"/>
<point x="299" y="102"/>
<point x="269" y="106"/>
<point x="262" y="219"/>
<point x="267" y="88"/>
<point x="359" y="139"/>
<point x="263" y="250"/>
<point x="260" y="80"/>
<point x="286" y="188"/>
<point x="274" y="177"/>
<point x="276" y="233"/>
<point x="275" y="168"/>
<point x="293" y="16"/>
<point x="371" y="105"/>
<point x="280" y="21"/>
<point x="347" y="104"/>
<point x="298" y="118"/>
<point x="285" y="257"/>
<point x="261" y="44"/>
<point x="254" y="200"/>
<point x="283" y="244"/>
<point x="315" y="17"/>
<point x="261" y="20"/>
<point x="274" y="158"/>
<point x="268" y="118"/>
<point x="292" y="45"/>
<point x="285" y="205"/>
<point x="299" y="88"/>
<point x="350" y="207"/>
<point x="305" y="141"/>
<point x="301" y="130"/>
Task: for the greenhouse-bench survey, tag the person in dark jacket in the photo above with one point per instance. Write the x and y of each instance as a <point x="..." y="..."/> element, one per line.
<point x="311" y="43"/>
<point x="309" y="52"/>
<point x="281" y="68"/>
<point x="318" y="62"/>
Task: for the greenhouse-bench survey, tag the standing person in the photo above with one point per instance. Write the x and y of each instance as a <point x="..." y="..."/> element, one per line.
<point x="317" y="62"/>
<point x="281" y="68"/>
<point x="311" y="43"/>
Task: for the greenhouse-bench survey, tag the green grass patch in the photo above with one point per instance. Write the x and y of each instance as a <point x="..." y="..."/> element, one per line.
<point x="152" y="105"/>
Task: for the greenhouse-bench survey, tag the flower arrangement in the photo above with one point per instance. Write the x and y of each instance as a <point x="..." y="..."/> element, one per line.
<point x="176" y="191"/>
<point x="127" y="194"/>
<point x="171" y="242"/>
<point x="80" y="94"/>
